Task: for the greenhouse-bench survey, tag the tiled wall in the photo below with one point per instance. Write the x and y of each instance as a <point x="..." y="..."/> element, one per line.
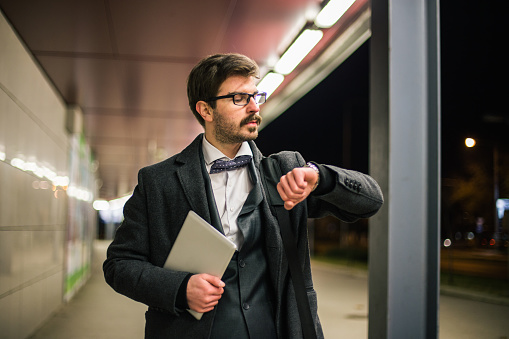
<point x="32" y="215"/>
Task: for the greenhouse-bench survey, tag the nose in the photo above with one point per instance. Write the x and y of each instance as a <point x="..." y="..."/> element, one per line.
<point x="252" y="106"/>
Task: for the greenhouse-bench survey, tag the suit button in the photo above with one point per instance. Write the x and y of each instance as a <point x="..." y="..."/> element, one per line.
<point x="359" y="187"/>
<point x="347" y="181"/>
<point x="242" y="263"/>
<point x="245" y="306"/>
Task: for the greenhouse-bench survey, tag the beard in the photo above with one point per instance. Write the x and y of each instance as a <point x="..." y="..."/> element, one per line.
<point x="228" y="132"/>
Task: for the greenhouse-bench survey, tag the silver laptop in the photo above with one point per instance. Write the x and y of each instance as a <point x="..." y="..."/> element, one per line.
<point x="200" y="248"/>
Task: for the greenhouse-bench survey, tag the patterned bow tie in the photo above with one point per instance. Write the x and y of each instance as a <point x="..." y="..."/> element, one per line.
<point x="222" y="165"/>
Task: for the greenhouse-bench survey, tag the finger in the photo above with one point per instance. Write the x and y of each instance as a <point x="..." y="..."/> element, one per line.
<point x="205" y="309"/>
<point x="295" y="183"/>
<point x="289" y="205"/>
<point x="287" y="188"/>
<point x="299" y="177"/>
<point x="290" y="198"/>
<point x="286" y="197"/>
<point x="214" y="281"/>
<point x="202" y="308"/>
<point x="210" y="300"/>
<point x="281" y="191"/>
<point x="199" y="286"/>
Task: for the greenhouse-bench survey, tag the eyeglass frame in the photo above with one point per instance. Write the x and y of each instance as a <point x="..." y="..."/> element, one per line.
<point x="232" y="95"/>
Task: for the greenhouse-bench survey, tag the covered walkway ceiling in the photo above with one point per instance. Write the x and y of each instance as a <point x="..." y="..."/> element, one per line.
<point x="125" y="64"/>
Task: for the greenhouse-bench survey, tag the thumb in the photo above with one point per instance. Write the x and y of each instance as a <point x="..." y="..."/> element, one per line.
<point x="289" y="205"/>
<point x="215" y="281"/>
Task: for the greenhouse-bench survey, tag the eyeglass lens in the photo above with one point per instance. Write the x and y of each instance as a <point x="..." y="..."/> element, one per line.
<point x="243" y="98"/>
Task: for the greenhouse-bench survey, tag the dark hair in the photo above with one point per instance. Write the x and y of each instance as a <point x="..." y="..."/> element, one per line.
<point x="207" y="76"/>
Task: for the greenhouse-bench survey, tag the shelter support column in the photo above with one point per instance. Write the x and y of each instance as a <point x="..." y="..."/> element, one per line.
<point x="405" y="160"/>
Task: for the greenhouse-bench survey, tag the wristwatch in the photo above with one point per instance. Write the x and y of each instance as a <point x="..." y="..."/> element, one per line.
<point x="315" y="168"/>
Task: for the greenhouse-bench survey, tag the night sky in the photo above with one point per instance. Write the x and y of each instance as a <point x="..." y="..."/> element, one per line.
<point x="317" y="124"/>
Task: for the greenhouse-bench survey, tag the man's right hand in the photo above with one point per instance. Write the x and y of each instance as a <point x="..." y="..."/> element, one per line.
<point x="204" y="292"/>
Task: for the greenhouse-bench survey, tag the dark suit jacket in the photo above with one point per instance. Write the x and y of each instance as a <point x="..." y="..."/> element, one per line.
<point x="154" y="214"/>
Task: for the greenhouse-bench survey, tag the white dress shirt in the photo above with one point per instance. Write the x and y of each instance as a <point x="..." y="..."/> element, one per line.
<point x="230" y="189"/>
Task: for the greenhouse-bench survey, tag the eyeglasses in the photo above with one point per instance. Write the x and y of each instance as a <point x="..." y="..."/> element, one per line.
<point x="242" y="99"/>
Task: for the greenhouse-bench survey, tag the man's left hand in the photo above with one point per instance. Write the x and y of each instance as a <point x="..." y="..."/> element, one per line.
<point x="296" y="185"/>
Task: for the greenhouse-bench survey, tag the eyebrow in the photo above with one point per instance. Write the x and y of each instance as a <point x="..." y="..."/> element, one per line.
<point x="256" y="92"/>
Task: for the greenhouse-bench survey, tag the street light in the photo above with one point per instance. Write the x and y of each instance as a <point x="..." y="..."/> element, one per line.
<point x="470" y="142"/>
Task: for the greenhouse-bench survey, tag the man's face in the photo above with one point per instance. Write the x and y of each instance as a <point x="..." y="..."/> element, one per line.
<point x="234" y="124"/>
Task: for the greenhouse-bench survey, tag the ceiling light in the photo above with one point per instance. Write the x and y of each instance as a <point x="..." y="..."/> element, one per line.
<point x="101" y="205"/>
<point x="331" y="13"/>
<point x="270" y="83"/>
<point x="298" y="51"/>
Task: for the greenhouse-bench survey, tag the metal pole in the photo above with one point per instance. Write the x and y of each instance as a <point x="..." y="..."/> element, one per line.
<point x="405" y="159"/>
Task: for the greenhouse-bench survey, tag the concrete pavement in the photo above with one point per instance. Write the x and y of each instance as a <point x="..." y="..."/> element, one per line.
<point x="343" y="308"/>
<point x="100" y="313"/>
<point x="96" y="311"/>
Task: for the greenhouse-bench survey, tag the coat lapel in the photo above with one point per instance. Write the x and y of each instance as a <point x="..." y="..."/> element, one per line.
<point x="191" y="178"/>
<point x="273" y="241"/>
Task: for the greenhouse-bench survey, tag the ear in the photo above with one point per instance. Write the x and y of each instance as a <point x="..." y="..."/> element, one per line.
<point x="205" y="110"/>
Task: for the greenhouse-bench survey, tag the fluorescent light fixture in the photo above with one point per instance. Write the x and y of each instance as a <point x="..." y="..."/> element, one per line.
<point x="80" y="193"/>
<point x="118" y="204"/>
<point x="101" y="205"/>
<point x="60" y="181"/>
<point x="18" y="163"/>
<point x="298" y="51"/>
<point x="331" y="13"/>
<point x="270" y="83"/>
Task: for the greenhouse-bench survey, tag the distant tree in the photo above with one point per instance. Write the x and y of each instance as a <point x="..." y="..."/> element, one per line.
<point x="473" y="192"/>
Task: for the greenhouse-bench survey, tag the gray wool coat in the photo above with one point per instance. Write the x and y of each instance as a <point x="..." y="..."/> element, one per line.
<point x="154" y="214"/>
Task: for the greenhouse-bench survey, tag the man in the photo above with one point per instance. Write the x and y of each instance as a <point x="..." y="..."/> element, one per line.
<point x="255" y="297"/>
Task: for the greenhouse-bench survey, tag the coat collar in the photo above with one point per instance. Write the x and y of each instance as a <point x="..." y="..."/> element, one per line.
<point x="257" y="155"/>
<point x="190" y="175"/>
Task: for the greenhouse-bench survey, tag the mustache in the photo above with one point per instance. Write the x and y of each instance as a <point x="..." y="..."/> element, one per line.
<point x="251" y="118"/>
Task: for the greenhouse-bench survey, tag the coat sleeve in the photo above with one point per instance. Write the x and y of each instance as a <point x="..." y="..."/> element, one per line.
<point x="348" y="195"/>
<point x="129" y="268"/>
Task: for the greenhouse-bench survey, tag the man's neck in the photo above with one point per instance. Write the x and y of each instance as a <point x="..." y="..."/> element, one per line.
<point x="230" y="150"/>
